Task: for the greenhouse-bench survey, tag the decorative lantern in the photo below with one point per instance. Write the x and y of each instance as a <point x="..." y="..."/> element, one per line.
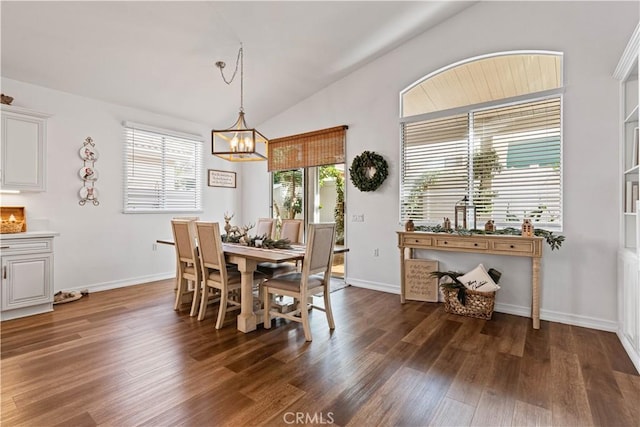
<point x="446" y="224"/>
<point x="527" y="228"/>
<point x="490" y="226"/>
<point x="465" y="215"/>
<point x="409" y="226"/>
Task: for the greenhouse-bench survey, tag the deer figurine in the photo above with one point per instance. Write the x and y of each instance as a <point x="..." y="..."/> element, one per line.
<point x="228" y="228"/>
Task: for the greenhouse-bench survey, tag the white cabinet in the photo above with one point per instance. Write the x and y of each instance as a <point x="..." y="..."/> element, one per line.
<point x="630" y="296"/>
<point x="23" y="149"/>
<point x="629" y="266"/>
<point x="27" y="274"/>
<point x="27" y="280"/>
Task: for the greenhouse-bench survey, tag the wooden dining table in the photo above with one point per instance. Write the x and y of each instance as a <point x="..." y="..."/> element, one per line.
<point x="247" y="259"/>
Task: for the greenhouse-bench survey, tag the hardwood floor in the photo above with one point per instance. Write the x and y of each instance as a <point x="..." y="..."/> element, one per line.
<point x="125" y="358"/>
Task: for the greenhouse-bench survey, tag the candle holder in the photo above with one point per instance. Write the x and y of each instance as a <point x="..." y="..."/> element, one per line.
<point x="465" y="215"/>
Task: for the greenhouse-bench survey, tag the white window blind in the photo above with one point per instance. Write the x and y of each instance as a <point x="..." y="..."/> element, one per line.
<point x="163" y="170"/>
<point x="507" y="160"/>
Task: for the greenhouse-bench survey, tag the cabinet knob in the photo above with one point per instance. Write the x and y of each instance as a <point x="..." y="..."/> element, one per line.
<point x="475" y="244"/>
<point x="445" y="242"/>
<point x="417" y="241"/>
<point x="511" y="246"/>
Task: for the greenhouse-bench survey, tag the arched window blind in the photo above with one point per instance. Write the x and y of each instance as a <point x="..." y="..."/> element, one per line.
<point x="162" y="170"/>
<point x="322" y="147"/>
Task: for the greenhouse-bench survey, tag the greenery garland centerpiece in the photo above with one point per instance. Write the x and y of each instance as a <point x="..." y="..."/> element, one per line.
<point x="553" y="240"/>
<point x="368" y="171"/>
<point x="252" y="241"/>
<point x="240" y="236"/>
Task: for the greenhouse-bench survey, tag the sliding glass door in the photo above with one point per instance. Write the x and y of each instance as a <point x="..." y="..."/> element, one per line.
<point x="315" y="194"/>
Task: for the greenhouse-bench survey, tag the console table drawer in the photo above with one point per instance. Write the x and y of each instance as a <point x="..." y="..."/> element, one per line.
<point x="509" y="246"/>
<point x="413" y="241"/>
<point x="458" y="243"/>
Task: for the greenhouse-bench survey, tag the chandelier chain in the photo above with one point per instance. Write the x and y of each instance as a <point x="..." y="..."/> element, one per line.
<point x="239" y="60"/>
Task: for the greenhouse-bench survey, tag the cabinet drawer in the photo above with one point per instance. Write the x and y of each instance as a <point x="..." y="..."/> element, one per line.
<point x="457" y="243"/>
<point x="17" y="246"/>
<point x="416" y="241"/>
<point x="509" y="246"/>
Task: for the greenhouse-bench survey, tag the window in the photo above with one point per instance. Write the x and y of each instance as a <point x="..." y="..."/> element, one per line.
<point x="162" y="170"/>
<point x="504" y="155"/>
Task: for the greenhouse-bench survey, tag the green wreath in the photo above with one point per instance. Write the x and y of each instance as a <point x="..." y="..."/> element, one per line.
<point x="361" y="166"/>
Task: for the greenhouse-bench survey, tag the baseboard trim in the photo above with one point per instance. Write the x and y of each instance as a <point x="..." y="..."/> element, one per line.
<point x="518" y="310"/>
<point x="374" y="286"/>
<point x="105" y="286"/>
<point x="559" y="317"/>
<point x="633" y="354"/>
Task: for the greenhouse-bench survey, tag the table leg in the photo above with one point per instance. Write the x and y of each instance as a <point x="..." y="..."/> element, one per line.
<point x="247" y="318"/>
<point x="402" y="284"/>
<point x="535" y="292"/>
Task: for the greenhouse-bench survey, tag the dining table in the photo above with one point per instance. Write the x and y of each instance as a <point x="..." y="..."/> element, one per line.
<point x="247" y="258"/>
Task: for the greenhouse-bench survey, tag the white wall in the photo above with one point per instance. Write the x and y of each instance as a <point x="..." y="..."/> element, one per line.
<point x="100" y="247"/>
<point x="579" y="281"/>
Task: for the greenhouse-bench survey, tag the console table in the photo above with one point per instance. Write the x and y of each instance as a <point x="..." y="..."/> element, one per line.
<point x="488" y="244"/>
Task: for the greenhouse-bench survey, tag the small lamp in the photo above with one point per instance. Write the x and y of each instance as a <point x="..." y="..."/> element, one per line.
<point x="465" y="215"/>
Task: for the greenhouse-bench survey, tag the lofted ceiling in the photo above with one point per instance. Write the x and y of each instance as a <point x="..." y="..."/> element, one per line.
<point x="160" y="56"/>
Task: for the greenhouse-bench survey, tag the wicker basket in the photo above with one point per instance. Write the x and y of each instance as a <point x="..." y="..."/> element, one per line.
<point x="11" y="227"/>
<point x="478" y="304"/>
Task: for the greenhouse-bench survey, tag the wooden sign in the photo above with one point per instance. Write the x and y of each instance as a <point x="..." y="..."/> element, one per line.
<point x="419" y="284"/>
<point x="219" y="178"/>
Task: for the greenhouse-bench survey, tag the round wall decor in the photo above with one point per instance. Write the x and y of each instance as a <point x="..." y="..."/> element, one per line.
<point x="88" y="173"/>
<point x="368" y="171"/>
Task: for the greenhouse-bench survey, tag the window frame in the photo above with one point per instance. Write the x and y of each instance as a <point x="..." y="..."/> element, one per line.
<point x="198" y="142"/>
<point x="470" y="110"/>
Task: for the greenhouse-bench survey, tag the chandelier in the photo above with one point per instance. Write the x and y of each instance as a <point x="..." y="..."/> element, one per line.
<point x="239" y="143"/>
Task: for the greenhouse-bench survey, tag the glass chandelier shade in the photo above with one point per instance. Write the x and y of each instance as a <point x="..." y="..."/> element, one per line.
<point x="239" y="143"/>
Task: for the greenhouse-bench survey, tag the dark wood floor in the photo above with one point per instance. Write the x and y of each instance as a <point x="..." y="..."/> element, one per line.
<point x="125" y="358"/>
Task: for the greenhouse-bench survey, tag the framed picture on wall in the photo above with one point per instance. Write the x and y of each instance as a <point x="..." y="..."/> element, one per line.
<point x="218" y="178"/>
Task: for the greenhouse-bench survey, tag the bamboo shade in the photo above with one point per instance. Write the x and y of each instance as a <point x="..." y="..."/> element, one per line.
<point x="317" y="148"/>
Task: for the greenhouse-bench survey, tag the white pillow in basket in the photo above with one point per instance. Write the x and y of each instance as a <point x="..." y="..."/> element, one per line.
<point x="478" y="280"/>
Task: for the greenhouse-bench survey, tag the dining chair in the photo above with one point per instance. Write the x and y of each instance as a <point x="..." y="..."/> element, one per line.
<point x="192" y="220"/>
<point x="293" y="230"/>
<point x="266" y="227"/>
<point x="314" y="277"/>
<point x="218" y="281"/>
<point x="188" y="265"/>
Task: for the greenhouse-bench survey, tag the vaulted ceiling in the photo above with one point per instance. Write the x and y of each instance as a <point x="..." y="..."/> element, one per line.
<point x="159" y="56"/>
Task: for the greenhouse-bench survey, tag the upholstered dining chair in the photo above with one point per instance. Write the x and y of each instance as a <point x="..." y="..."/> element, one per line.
<point x="218" y="281"/>
<point x="315" y="276"/>
<point x="188" y="265"/>
<point x="193" y="229"/>
<point x="292" y="229"/>
<point x="266" y="227"/>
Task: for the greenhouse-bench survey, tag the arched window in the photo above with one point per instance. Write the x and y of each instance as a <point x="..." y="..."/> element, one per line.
<point x="488" y="128"/>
